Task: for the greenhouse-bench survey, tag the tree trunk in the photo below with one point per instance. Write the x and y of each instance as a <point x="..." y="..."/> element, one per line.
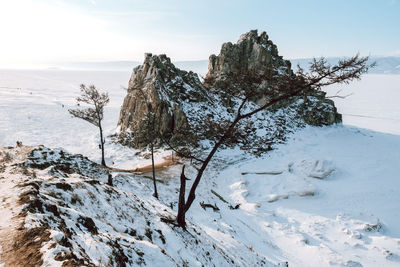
<point x="153" y="170"/>
<point x="180" y="218"/>
<point x="228" y="131"/>
<point x="110" y="180"/>
<point x="103" y="162"/>
<point x="192" y="192"/>
<point x="183" y="206"/>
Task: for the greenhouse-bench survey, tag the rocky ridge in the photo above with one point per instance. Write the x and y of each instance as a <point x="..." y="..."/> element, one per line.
<point x="174" y="93"/>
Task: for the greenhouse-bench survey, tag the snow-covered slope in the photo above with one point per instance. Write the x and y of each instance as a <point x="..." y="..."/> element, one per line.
<point x="334" y="198"/>
<point x="75" y="218"/>
<point x="328" y="197"/>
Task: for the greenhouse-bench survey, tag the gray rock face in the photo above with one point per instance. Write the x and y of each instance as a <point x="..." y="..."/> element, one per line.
<point x="165" y="88"/>
<point x="251" y="54"/>
<point x="257" y="54"/>
<point x="174" y="93"/>
<point x="321" y="111"/>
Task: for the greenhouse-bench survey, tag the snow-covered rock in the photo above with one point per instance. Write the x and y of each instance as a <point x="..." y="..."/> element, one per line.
<point x="313" y="168"/>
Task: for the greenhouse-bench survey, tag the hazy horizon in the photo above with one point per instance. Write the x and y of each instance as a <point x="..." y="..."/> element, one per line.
<point x="384" y="65"/>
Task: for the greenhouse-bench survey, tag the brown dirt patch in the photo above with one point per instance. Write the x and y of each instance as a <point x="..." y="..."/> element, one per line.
<point x="168" y="161"/>
<point x="23" y="247"/>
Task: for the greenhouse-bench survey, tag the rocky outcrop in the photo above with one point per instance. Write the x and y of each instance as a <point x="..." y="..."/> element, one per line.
<point x="318" y="110"/>
<point x="173" y="93"/>
<point x="251" y="54"/>
<point x="256" y="54"/>
<point x="165" y="88"/>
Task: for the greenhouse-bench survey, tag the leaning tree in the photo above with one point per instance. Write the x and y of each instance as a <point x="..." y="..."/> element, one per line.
<point x="94" y="113"/>
<point x="240" y="128"/>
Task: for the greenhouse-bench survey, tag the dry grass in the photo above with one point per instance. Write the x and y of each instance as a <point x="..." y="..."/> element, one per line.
<point x="23" y="248"/>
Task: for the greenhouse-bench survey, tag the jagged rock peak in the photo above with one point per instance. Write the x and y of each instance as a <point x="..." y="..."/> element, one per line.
<point x="166" y="88"/>
<point x="256" y="54"/>
<point x="175" y="84"/>
<point x="154" y="63"/>
<point x="252" y="53"/>
<point x="253" y="36"/>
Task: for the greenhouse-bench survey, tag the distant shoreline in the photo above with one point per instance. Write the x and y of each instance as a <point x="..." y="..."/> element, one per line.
<point x="385" y="65"/>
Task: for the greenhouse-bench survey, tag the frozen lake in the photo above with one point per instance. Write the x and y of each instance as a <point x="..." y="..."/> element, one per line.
<point x="34" y="108"/>
<point x="373" y="103"/>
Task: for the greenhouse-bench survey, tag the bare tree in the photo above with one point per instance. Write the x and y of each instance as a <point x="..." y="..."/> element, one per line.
<point x="239" y="129"/>
<point x="150" y="135"/>
<point x="93" y="114"/>
<point x="149" y="132"/>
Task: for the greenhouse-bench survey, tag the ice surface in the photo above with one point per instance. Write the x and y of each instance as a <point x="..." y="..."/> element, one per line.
<point x="373" y="104"/>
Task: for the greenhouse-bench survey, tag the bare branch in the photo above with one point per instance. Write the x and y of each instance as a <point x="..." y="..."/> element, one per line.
<point x="339" y="96"/>
<point x="346" y="70"/>
<point x="89" y="115"/>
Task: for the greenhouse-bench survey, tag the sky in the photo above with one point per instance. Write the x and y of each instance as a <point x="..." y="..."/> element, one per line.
<point x="45" y="31"/>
